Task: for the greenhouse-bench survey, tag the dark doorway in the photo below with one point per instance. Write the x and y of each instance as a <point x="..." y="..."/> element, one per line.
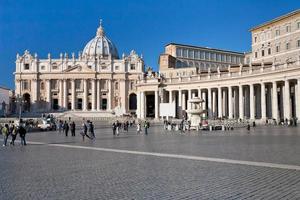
<point x="69" y="106"/>
<point x="90" y="106"/>
<point x="104" y="104"/>
<point x="26" y="102"/>
<point x="150" y="105"/>
<point x="132" y="102"/>
<point x="79" y="104"/>
<point x="55" y="104"/>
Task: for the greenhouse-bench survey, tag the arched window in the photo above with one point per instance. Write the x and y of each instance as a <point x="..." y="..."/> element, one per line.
<point x="116" y="86"/>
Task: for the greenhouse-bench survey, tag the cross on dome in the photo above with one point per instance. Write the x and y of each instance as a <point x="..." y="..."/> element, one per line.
<point x="100" y="30"/>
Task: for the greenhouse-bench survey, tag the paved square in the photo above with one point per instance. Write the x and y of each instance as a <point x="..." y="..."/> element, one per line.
<point x="264" y="164"/>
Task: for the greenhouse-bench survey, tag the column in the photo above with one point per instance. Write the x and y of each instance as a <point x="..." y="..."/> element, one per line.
<point x="94" y="94"/>
<point x="274" y="102"/>
<point x="209" y="106"/>
<point x="189" y="98"/>
<point x="214" y="103"/>
<point x="61" y="94"/>
<point x="138" y="104"/>
<point x="183" y="101"/>
<point x="65" y="96"/>
<point x="263" y="102"/>
<point x="287" y="100"/>
<point x="204" y="102"/>
<point x="85" y="95"/>
<point x="199" y="93"/>
<point x="156" y="104"/>
<point x="34" y="89"/>
<point x="224" y="102"/>
<point x="252" y="106"/>
<point x="219" y="102"/>
<point x="73" y="94"/>
<point x="170" y="96"/>
<point x="109" y="97"/>
<point x="179" y="98"/>
<point x="48" y="89"/>
<point x="142" y="105"/>
<point x="298" y="99"/>
<point x="241" y="102"/>
<point x="230" y="116"/>
<point x="98" y="94"/>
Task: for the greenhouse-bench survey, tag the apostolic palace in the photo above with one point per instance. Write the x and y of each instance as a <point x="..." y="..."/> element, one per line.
<point x="258" y="85"/>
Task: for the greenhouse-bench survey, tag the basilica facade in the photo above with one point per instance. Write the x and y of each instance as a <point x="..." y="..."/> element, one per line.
<point x="258" y="85"/>
<point x="96" y="80"/>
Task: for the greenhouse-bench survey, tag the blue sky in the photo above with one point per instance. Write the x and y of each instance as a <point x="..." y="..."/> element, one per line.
<point x="143" y="25"/>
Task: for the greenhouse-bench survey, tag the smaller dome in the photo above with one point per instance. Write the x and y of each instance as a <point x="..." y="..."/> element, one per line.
<point x="101" y="46"/>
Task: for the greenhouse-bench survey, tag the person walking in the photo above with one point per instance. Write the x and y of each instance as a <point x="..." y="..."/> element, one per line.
<point x="138" y="128"/>
<point x="114" y="127"/>
<point x="73" y="127"/>
<point x="91" y="130"/>
<point x="118" y="127"/>
<point x="14" y="133"/>
<point x="146" y="127"/>
<point x="22" y="132"/>
<point x="5" y="134"/>
<point x="60" y="126"/>
<point x="66" y="128"/>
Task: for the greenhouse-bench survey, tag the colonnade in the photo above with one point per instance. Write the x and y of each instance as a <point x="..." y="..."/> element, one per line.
<point x="277" y="100"/>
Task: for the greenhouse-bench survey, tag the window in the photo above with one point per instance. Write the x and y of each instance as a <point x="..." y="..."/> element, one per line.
<point x="287" y="46"/>
<point x="223" y="58"/>
<point x="185" y="52"/>
<point x="26" y="66"/>
<point x="207" y="55"/>
<point x="179" y="52"/>
<point x="238" y="60"/>
<point x="42" y="86"/>
<point x="277" y="32"/>
<point x="277" y="49"/>
<point x="269" y="51"/>
<point x="43" y="67"/>
<point x="54" y="84"/>
<point x="197" y="54"/>
<point x="255" y="39"/>
<point x="288" y="28"/>
<point x="255" y="54"/>
<point x="202" y="55"/>
<point x="117" y="67"/>
<point x="116" y="86"/>
<point x="78" y="84"/>
<point x="218" y="57"/>
<point x="213" y="56"/>
<point x="25" y="85"/>
<point x="89" y="66"/>
<point x="54" y="66"/>
<point x="132" y="66"/>
<point x="298" y="43"/>
<point x="191" y="54"/>
<point x="262" y="52"/>
<point x="103" y="67"/>
<point x="233" y="59"/>
<point x="228" y="58"/>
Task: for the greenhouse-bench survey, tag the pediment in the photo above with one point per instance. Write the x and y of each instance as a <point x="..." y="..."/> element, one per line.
<point x="78" y="69"/>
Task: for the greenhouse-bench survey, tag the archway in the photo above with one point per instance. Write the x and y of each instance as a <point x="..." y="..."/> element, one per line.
<point x="26" y="102"/>
<point x="132" y="102"/>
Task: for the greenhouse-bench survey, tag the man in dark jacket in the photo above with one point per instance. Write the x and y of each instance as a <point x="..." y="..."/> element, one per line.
<point x="73" y="126"/>
<point x="66" y="128"/>
<point x="22" y="132"/>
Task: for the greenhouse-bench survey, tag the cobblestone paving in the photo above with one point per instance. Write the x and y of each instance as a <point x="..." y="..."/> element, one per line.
<point x="40" y="171"/>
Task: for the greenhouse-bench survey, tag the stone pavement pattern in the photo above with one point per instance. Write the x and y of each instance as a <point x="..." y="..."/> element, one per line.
<point x="40" y="171"/>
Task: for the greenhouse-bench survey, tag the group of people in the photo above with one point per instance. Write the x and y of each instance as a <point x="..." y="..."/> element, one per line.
<point x="87" y="129"/>
<point x="117" y="127"/>
<point x="13" y="130"/>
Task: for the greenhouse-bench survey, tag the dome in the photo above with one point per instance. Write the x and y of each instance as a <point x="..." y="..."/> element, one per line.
<point x="100" y="46"/>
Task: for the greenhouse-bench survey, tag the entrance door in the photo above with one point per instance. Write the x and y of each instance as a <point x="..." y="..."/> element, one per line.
<point x="55" y="104"/>
<point x="150" y="105"/>
<point x="79" y="104"/>
<point x="104" y="104"/>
